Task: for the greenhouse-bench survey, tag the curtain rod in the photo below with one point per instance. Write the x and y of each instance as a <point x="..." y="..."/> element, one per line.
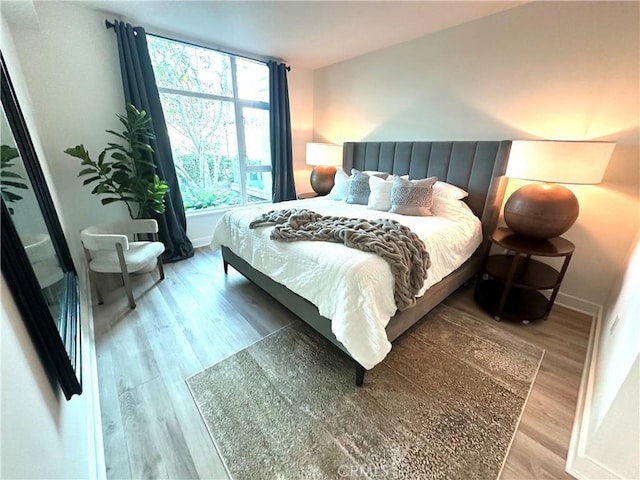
<point x="108" y="25"/>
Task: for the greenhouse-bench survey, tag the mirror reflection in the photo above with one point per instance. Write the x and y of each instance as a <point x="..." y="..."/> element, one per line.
<point x="18" y="194"/>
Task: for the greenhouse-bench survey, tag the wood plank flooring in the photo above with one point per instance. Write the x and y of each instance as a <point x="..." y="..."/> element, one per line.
<point x="197" y="316"/>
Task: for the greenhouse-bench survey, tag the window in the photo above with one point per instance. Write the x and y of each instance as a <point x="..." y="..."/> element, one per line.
<point x="216" y="107"/>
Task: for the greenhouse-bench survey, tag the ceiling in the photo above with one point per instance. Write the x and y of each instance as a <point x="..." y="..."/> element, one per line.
<point x="308" y="34"/>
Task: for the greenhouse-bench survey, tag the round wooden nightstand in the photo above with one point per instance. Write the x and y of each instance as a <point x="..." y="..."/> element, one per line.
<point x="512" y="284"/>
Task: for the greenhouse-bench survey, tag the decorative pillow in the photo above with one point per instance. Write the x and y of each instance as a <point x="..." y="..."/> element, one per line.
<point x="412" y="197"/>
<point x="446" y="190"/>
<point x="380" y="196"/>
<point x="340" y="188"/>
<point x="358" y="188"/>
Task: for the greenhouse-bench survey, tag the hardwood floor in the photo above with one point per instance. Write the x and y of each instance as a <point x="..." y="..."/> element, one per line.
<point x="197" y="316"/>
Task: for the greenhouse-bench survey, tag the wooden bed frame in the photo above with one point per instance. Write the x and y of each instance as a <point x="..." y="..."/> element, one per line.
<point x="476" y="166"/>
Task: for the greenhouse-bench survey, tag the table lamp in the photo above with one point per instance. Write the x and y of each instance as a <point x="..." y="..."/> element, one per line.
<point x="546" y="210"/>
<point x="325" y="157"/>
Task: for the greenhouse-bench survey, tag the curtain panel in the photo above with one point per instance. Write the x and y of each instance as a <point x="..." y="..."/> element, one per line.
<point x="140" y="89"/>
<point x="280" y="119"/>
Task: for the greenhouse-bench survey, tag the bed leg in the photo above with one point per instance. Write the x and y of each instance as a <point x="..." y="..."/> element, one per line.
<point x="225" y="266"/>
<point x="359" y="375"/>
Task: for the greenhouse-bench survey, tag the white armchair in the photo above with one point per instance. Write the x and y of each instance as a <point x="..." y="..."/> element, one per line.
<point x="112" y="248"/>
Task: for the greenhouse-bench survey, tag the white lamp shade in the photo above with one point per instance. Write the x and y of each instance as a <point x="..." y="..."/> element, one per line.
<point x="559" y="162"/>
<point x="324" y="154"/>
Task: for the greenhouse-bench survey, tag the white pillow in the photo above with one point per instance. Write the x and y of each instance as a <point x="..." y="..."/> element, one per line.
<point x="340" y="188"/>
<point x="446" y="190"/>
<point x="380" y="196"/>
<point x="443" y="205"/>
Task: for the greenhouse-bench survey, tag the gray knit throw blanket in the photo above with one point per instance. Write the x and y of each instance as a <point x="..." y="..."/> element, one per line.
<point x="397" y="244"/>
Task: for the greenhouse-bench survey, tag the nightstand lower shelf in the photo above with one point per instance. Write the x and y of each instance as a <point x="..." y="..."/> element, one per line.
<point x="521" y="304"/>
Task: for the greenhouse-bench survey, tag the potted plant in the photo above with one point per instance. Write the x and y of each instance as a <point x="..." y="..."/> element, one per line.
<point x="127" y="175"/>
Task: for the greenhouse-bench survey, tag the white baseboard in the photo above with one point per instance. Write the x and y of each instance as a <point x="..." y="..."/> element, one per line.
<point x="585" y="468"/>
<point x="579" y="464"/>
<point x="201" y="242"/>
<point x="578" y="304"/>
<point x="97" y="465"/>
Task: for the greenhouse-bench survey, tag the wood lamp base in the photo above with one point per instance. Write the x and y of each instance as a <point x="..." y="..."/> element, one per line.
<point x="323" y="178"/>
<point x="541" y="210"/>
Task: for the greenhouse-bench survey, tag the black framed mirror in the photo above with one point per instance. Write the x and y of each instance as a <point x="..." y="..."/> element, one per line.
<point x="36" y="262"/>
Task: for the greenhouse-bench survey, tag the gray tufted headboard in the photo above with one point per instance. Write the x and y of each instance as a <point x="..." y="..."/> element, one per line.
<point x="476" y="166"/>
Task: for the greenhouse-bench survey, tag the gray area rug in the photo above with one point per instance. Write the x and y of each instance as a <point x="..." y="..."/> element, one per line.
<point x="444" y="404"/>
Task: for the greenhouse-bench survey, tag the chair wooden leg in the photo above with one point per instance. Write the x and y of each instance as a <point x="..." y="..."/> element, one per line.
<point x="94" y="281"/>
<point x="125" y="276"/>
<point x="360" y="370"/>
<point x="127" y="287"/>
<point x="160" y="267"/>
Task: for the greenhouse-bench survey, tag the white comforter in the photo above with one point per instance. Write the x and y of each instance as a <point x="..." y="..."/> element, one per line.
<point x="352" y="288"/>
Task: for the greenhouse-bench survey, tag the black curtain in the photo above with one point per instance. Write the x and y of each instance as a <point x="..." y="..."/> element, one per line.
<point x="280" y="119"/>
<point x="140" y="89"/>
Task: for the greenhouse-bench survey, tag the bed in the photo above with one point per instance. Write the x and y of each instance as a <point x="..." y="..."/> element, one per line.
<point x="306" y="276"/>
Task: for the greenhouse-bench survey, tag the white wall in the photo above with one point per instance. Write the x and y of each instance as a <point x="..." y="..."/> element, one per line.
<point x="42" y="434"/>
<point x="616" y="442"/>
<point x="605" y="442"/>
<point x="554" y="70"/>
<point x="301" y="105"/>
<point x="613" y="430"/>
<point x="619" y="340"/>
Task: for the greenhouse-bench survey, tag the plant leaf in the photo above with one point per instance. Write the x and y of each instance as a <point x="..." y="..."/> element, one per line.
<point x="108" y="200"/>
<point x="119" y="156"/>
<point x="9" y="183"/>
<point x="10" y="196"/>
<point x="90" y="180"/>
<point x="7" y="174"/>
<point x="118" y="135"/>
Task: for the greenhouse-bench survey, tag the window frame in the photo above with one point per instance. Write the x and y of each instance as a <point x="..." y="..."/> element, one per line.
<point x="238" y="105"/>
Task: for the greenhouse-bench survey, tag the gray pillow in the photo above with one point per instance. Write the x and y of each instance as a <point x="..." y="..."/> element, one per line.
<point x="412" y="197"/>
<point x="359" y="187"/>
